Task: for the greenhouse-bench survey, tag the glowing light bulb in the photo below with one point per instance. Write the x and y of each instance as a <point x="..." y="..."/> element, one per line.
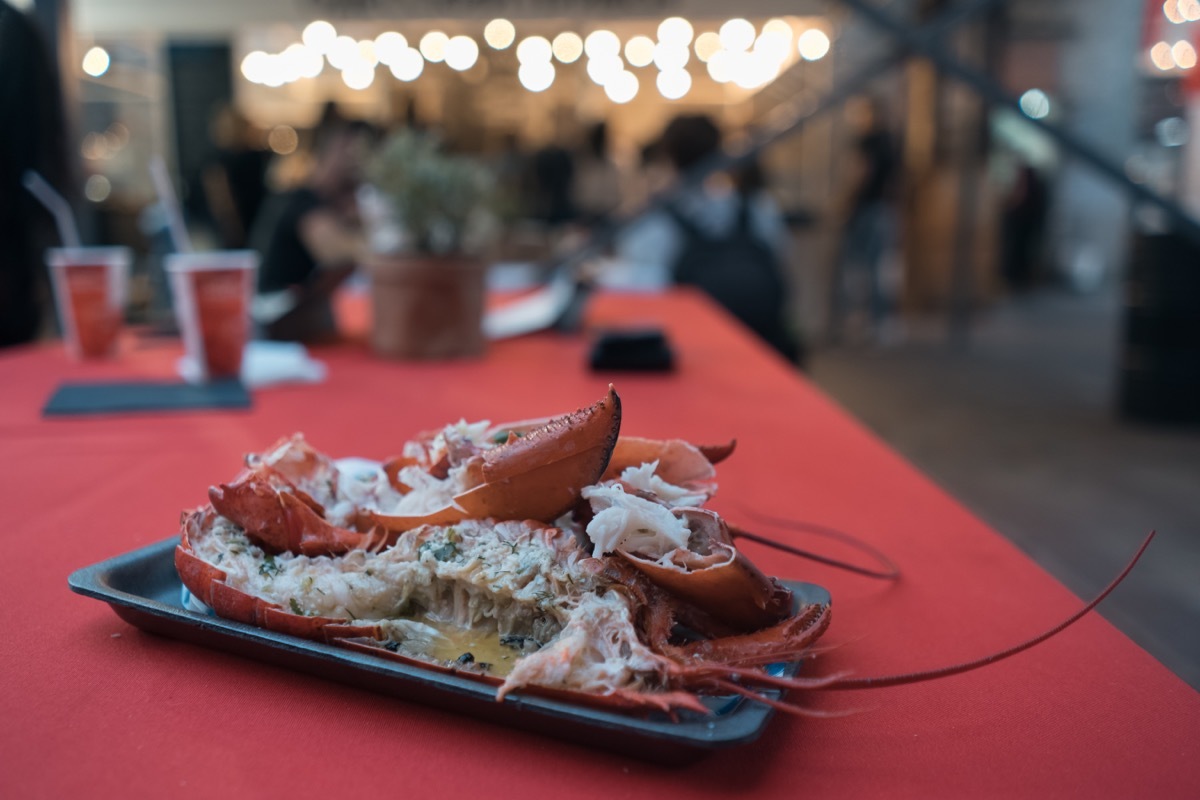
<point x="622" y="88"/>
<point x="813" y="44"/>
<point x="499" y="34"/>
<point x="639" y="51"/>
<point x="670" y="56"/>
<point x="319" y="36"/>
<point x="567" y="47"/>
<point x="534" y="50"/>
<point x="720" y="66"/>
<point x="1184" y="54"/>
<point x="536" y="76"/>
<point x="358" y="76"/>
<point x="389" y="45"/>
<point x="675" y="30"/>
<point x="96" y="62"/>
<point x="1160" y="54"/>
<point x="1035" y="104"/>
<point x="674" y="84"/>
<point x="408" y="65"/>
<point x="461" y="53"/>
<point x="737" y="35"/>
<point x="433" y="46"/>
<point x="601" y="43"/>
<point x="707" y="44"/>
<point x="342" y="53"/>
<point x="601" y="70"/>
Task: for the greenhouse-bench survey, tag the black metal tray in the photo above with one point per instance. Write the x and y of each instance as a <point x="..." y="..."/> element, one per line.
<point x="144" y="590"/>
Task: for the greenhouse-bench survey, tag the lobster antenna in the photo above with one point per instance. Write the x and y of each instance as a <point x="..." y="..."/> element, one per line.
<point x="889" y="572"/>
<point x="945" y="672"/>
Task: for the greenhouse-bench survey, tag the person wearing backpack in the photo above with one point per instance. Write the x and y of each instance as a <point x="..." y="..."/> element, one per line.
<point x="727" y="238"/>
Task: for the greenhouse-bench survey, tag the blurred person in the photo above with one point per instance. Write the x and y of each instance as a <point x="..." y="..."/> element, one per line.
<point x="724" y="238"/>
<point x="553" y="175"/>
<point x="235" y="183"/>
<point x="30" y="93"/>
<point x="869" y="227"/>
<point x="311" y="238"/>
<point x="1024" y="224"/>
<point x="596" y="191"/>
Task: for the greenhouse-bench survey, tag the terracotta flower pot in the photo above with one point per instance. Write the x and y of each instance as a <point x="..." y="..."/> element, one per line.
<point x="427" y="307"/>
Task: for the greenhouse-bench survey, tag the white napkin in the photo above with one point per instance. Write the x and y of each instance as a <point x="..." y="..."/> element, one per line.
<point x="265" y="364"/>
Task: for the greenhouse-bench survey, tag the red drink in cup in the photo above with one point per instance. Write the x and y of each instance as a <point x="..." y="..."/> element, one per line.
<point x="212" y="305"/>
<point x="90" y="286"/>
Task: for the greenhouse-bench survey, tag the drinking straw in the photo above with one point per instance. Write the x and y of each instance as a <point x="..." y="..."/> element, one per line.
<point x="54" y="202"/>
<point x="170" y="203"/>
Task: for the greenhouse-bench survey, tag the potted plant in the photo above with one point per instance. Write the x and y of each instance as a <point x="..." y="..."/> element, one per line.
<point x="427" y="277"/>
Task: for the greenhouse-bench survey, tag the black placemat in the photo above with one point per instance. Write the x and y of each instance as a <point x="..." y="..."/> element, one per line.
<point x="122" y="397"/>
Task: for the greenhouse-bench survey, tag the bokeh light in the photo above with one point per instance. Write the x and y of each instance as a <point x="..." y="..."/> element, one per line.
<point x="534" y="50"/>
<point x="622" y="87"/>
<point x="674" y="84"/>
<point x="461" y="53"/>
<point x="319" y="36"/>
<point x="95" y="62"/>
<point x="389" y="45"/>
<point x="408" y="65"/>
<point x="358" y="76"/>
<point x="1035" y="104"/>
<point x="707" y="44"/>
<point x="676" y="31"/>
<point x="283" y="140"/>
<point x="342" y="53"/>
<point x="601" y="43"/>
<point x="499" y="34"/>
<point x="536" y="76"/>
<point x="813" y="44"/>
<point x="567" y="47"/>
<point x="639" y="51"/>
<point x="433" y="46"/>
<point x="737" y="35"/>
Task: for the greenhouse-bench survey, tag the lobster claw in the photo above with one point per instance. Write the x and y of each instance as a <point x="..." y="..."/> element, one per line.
<point x="537" y="476"/>
<point x="714" y="576"/>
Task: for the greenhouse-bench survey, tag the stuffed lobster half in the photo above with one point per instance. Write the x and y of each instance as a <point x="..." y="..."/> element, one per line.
<point x="549" y="557"/>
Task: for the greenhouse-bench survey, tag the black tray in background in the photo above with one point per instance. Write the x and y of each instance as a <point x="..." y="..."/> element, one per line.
<point x="144" y="590"/>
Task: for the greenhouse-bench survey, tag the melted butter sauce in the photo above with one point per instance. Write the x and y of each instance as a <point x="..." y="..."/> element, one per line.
<point x="483" y="644"/>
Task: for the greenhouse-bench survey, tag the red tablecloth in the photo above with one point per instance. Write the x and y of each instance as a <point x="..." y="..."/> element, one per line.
<point x="92" y="707"/>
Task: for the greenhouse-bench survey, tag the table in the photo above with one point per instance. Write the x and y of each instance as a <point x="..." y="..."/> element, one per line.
<point x="93" y="707"/>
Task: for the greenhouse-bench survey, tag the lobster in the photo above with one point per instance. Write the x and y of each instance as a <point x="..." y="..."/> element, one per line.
<point x="588" y="554"/>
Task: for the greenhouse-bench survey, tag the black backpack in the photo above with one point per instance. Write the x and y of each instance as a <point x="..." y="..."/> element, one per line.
<point x="740" y="272"/>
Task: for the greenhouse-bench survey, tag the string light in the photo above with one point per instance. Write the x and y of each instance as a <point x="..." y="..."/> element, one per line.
<point x="408" y="65"/>
<point x="319" y="36"/>
<point x="433" y="46"/>
<point x="707" y="44"/>
<point x="639" y="51"/>
<point x="536" y="76"/>
<point x="96" y="62"/>
<point x="499" y="34"/>
<point x="813" y="44"/>
<point x="622" y="87"/>
<point x="674" y="84"/>
<point x="676" y="31"/>
<point x="389" y="45"/>
<point x="567" y="47"/>
<point x="737" y="35"/>
<point x="534" y="50"/>
<point x="601" y="43"/>
<point x="461" y="53"/>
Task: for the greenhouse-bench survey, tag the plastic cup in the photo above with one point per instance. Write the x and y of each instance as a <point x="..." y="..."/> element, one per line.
<point x="212" y="293"/>
<point x="90" y="287"/>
